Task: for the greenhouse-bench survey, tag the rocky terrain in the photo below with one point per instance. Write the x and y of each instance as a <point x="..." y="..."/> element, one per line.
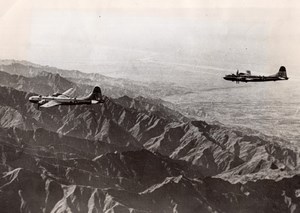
<point x="132" y="154"/>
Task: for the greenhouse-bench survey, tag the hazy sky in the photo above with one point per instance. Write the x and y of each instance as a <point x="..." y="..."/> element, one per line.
<point x="85" y="34"/>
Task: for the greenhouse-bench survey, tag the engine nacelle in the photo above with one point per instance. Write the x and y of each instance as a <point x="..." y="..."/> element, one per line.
<point x="42" y="102"/>
<point x="56" y="94"/>
<point x="94" y="102"/>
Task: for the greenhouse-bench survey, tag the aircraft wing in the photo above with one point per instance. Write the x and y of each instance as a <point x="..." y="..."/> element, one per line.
<point x="68" y="92"/>
<point x="50" y="104"/>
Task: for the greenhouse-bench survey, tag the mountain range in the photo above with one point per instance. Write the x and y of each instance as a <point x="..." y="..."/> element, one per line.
<point x="134" y="153"/>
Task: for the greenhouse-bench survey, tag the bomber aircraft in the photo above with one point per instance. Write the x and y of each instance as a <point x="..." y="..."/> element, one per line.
<point x="247" y="77"/>
<point x="64" y="98"/>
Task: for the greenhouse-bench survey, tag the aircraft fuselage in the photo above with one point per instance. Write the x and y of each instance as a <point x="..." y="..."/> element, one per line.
<point x="253" y="78"/>
<point x="62" y="101"/>
<point x="57" y="99"/>
<point x="247" y="77"/>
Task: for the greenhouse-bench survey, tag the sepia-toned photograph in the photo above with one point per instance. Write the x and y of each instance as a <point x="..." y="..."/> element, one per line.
<point x="159" y="106"/>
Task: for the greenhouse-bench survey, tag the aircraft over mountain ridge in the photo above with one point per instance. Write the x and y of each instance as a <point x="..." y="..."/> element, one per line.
<point x="64" y="98"/>
<point x="247" y="77"/>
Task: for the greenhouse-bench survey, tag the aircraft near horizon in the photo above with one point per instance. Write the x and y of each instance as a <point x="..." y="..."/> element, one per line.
<point x="247" y="77"/>
<point x="64" y="98"/>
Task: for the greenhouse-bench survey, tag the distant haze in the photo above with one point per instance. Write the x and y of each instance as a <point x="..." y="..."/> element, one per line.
<point x="148" y="41"/>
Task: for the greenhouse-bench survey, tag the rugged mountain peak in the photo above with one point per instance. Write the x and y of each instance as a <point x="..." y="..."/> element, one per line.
<point x="147" y="105"/>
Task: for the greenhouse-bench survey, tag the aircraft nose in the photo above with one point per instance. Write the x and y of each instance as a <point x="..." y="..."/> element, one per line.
<point x="32" y="99"/>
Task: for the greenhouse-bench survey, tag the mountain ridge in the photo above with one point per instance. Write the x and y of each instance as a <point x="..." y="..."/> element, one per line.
<point x="216" y="148"/>
<point x="112" y="87"/>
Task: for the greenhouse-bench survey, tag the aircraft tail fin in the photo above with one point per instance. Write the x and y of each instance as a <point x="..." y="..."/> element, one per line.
<point x="96" y="95"/>
<point x="282" y="72"/>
